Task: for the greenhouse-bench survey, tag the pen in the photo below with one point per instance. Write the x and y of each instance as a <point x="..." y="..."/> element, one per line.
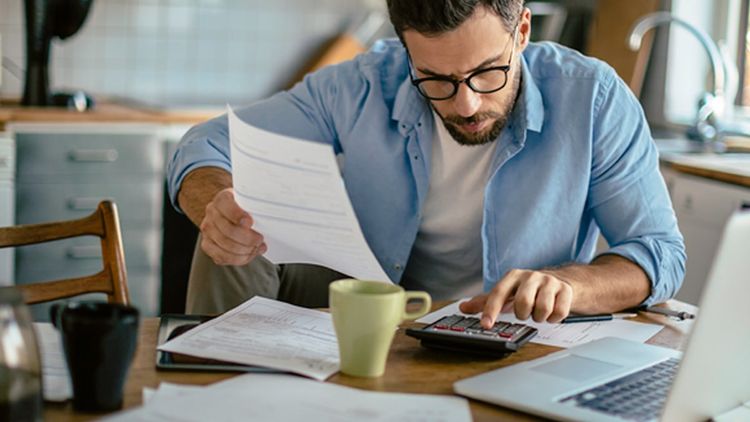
<point x="681" y="315"/>
<point x="598" y="317"/>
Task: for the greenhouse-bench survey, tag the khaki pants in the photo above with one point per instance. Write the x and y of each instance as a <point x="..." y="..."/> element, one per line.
<point x="213" y="289"/>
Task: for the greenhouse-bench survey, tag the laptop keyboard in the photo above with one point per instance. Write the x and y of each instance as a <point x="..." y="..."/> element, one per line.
<point x="639" y="396"/>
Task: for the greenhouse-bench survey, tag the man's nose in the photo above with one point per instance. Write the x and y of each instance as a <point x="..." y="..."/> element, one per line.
<point x="466" y="102"/>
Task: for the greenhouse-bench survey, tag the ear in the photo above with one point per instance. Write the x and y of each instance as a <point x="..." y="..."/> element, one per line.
<point x="524" y="29"/>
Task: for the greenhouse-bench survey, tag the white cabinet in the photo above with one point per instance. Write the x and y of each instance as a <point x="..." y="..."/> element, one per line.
<point x="7" y="201"/>
<point x="63" y="171"/>
<point x="702" y="207"/>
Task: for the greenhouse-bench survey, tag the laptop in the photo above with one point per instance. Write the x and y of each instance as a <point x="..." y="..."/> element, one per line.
<point x="613" y="379"/>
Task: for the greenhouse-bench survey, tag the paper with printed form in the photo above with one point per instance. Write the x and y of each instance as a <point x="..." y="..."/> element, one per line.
<point x="294" y="191"/>
<point x="268" y="333"/>
<point x="564" y="335"/>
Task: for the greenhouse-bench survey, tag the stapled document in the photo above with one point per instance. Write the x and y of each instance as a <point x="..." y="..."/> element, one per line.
<point x="296" y="195"/>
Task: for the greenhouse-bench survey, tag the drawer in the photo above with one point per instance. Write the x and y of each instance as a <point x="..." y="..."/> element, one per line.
<point x="137" y="202"/>
<point x="52" y="154"/>
<point x="82" y="256"/>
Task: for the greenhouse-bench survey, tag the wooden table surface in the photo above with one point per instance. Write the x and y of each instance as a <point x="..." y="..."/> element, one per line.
<point x="410" y="369"/>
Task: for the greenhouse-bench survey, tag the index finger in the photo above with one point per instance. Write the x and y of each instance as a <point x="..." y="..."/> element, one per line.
<point x="497" y="298"/>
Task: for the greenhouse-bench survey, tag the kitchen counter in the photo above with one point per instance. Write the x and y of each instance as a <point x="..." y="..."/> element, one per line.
<point x="728" y="168"/>
<point x="105" y="111"/>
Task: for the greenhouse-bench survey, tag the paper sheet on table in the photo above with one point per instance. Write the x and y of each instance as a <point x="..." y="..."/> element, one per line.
<point x="56" y="378"/>
<point x="268" y="333"/>
<point x="168" y="390"/>
<point x="289" y="398"/>
<point x="565" y="335"/>
<point x="295" y="193"/>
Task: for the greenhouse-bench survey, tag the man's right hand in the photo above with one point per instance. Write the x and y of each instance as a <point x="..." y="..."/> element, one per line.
<point x="228" y="237"/>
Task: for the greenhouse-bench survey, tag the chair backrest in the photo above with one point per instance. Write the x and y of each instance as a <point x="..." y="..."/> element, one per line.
<point x="105" y="224"/>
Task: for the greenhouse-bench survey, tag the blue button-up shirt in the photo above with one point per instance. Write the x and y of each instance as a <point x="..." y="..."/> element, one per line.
<point x="576" y="157"/>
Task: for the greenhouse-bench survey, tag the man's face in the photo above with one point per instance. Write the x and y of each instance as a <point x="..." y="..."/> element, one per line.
<point x="480" y="42"/>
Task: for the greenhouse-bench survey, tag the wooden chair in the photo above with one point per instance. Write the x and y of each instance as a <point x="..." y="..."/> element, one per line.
<point x="112" y="279"/>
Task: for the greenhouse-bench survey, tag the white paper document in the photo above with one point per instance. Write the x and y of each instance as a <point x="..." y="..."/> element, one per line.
<point x="268" y="333"/>
<point x="168" y="390"/>
<point x="55" y="376"/>
<point x="266" y="397"/>
<point x="565" y="335"/>
<point x="294" y="191"/>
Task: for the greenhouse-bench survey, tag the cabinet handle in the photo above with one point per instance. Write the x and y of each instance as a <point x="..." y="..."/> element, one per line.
<point x="93" y="155"/>
<point x="745" y="205"/>
<point x="84" y="252"/>
<point x="85" y="203"/>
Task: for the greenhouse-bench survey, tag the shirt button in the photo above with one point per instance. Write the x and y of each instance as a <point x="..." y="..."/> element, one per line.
<point x="398" y="267"/>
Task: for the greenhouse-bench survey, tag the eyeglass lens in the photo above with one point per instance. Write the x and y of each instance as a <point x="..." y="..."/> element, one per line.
<point x="486" y="81"/>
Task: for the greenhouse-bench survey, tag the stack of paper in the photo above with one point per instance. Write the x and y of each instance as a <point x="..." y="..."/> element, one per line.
<point x="267" y="397"/>
<point x="266" y="332"/>
<point x="56" y="378"/>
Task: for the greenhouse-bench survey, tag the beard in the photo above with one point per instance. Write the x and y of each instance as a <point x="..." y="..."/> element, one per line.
<point x="454" y="122"/>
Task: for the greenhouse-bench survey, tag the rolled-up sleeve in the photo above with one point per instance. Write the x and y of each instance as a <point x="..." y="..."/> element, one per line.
<point x="628" y="197"/>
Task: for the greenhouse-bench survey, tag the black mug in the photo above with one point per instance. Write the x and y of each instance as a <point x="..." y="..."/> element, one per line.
<point x="99" y="340"/>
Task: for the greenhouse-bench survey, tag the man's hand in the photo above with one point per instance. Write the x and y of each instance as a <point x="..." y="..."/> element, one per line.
<point x="537" y="294"/>
<point x="228" y="237"/>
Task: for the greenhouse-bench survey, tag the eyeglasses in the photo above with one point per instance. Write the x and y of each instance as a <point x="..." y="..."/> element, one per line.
<point x="482" y="81"/>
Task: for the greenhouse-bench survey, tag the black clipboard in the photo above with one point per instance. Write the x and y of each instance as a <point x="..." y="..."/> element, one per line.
<point x="172" y="325"/>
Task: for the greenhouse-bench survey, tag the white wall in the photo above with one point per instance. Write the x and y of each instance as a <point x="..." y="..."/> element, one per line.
<point x="192" y="51"/>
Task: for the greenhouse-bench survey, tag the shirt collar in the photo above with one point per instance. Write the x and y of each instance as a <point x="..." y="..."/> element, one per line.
<point x="531" y="99"/>
<point x="410" y="107"/>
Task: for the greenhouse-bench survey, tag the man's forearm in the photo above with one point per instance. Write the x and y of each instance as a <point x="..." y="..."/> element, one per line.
<point x="609" y="284"/>
<point x="198" y="189"/>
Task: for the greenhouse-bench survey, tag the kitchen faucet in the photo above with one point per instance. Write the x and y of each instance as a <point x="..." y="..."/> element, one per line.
<point x="711" y="106"/>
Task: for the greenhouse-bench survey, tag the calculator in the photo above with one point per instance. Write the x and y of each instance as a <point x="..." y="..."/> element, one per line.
<point x="461" y="333"/>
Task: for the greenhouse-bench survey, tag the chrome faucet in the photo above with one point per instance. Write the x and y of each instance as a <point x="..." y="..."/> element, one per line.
<point x="712" y="105"/>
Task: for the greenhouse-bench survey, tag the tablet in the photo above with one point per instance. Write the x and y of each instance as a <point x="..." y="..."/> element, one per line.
<point x="171" y="326"/>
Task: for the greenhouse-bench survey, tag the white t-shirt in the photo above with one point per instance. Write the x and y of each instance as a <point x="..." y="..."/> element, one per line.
<point x="446" y="259"/>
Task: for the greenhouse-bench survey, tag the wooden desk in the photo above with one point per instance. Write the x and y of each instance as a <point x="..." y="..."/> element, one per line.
<point x="411" y="369"/>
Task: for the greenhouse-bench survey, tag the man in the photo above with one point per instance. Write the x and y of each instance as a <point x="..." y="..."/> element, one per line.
<point x="478" y="164"/>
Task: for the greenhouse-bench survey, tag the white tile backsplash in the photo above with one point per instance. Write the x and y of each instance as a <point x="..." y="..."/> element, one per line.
<point x="200" y="51"/>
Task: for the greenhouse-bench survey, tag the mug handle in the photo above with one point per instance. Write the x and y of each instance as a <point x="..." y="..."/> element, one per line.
<point x="426" y="304"/>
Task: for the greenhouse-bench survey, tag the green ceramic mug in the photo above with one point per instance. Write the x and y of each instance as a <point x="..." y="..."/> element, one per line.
<point x="365" y="316"/>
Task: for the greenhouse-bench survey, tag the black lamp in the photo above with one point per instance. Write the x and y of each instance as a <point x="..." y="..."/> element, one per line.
<point x="46" y="19"/>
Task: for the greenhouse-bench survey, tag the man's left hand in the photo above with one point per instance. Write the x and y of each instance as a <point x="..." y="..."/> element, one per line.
<point x="537" y="294"/>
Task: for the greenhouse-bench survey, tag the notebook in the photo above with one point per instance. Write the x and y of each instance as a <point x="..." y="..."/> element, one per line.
<point x="613" y="379"/>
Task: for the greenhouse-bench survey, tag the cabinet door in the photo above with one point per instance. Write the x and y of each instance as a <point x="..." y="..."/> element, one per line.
<point x="702" y="207"/>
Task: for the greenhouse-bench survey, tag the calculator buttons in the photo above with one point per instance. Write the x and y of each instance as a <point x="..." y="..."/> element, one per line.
<point x="456" y="332"/>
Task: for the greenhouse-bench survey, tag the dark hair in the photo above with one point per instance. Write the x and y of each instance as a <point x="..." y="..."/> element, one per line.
<point x="433" y="17"/>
